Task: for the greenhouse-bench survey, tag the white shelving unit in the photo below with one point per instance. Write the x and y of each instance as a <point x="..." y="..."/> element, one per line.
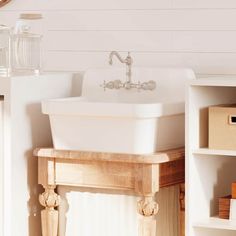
<point x="209" y="173"/>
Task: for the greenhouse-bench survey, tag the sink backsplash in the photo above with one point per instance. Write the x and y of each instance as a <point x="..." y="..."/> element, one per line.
<point x="165" y="91"/>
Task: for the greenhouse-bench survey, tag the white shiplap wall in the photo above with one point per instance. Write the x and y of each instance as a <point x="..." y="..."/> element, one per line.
<point x="80" y="33"/>
<point x="200" y="34"/>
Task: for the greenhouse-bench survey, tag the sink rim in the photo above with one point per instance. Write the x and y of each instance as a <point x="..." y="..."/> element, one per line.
<point x="81" y="106"/>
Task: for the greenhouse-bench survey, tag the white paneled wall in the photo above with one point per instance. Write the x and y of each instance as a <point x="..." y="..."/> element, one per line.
<point x="80" y="33"/>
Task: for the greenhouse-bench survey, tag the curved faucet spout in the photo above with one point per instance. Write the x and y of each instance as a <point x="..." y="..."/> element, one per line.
<point x="114" y="53"/>
<point x="128" y="61"/>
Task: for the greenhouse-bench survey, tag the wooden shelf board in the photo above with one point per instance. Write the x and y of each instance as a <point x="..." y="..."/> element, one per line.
<point x="216" y="223"/>
<point x="219" y="82"/>
<point x="207" y="151"/>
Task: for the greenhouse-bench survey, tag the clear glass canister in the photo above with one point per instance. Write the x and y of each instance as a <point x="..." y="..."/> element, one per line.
<point x="32" y="21"/>
<point x="26" y="53"/>
<point x="27" y="45"/>
<point x="4" y="50"/>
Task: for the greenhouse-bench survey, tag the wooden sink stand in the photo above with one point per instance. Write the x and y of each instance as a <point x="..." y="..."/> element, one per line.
<point x="143" y="175"/>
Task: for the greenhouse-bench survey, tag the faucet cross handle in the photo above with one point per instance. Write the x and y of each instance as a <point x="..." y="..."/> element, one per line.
<point x="149" y="85"/>
<point x="116" y="84"/>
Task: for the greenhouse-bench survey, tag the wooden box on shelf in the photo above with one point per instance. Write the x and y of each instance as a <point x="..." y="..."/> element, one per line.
<point x="224" y="207"/>
<point x="233" y="190"/>
<point x="222" y="127"/>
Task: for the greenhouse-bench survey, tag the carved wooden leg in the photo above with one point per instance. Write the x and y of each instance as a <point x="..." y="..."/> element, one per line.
<point x="147" y="185"/>
<point x="49" y="217"/>
<point x="182" y="210"/>
<point x="147" y="208"/>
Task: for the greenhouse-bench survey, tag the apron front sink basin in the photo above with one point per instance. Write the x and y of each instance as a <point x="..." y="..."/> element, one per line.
<point x="120" y="121"/>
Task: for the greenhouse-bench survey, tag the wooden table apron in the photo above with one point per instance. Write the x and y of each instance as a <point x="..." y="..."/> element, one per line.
<point x="143" y="175"/>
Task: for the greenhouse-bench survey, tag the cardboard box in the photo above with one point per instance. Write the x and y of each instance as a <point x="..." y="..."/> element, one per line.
<point x="222" y="127"/>
<point x="233" y="190"/>
<point x="224" y="207"/>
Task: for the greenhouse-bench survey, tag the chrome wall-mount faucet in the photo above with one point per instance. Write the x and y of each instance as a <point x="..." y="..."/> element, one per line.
<point x="128" y="84"/>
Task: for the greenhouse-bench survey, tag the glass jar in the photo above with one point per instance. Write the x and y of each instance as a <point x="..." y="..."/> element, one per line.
<point x="27" y="45"/>
<point x="31" y="21"/>
<point x="4" y="50"/>
<point x="26" y="53"/>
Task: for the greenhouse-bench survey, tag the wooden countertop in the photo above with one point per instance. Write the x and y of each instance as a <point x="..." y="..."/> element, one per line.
<point x="153" y="158"/>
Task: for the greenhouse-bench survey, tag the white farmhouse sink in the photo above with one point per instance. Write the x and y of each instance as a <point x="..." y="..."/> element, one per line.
<point x="121" y="121"/>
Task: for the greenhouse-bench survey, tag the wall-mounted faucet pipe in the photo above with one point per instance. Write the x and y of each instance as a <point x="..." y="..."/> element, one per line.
<point x="128" y="61"/>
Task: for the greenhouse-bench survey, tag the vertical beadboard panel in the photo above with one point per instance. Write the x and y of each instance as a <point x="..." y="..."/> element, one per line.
<point x="99" y="214"/>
